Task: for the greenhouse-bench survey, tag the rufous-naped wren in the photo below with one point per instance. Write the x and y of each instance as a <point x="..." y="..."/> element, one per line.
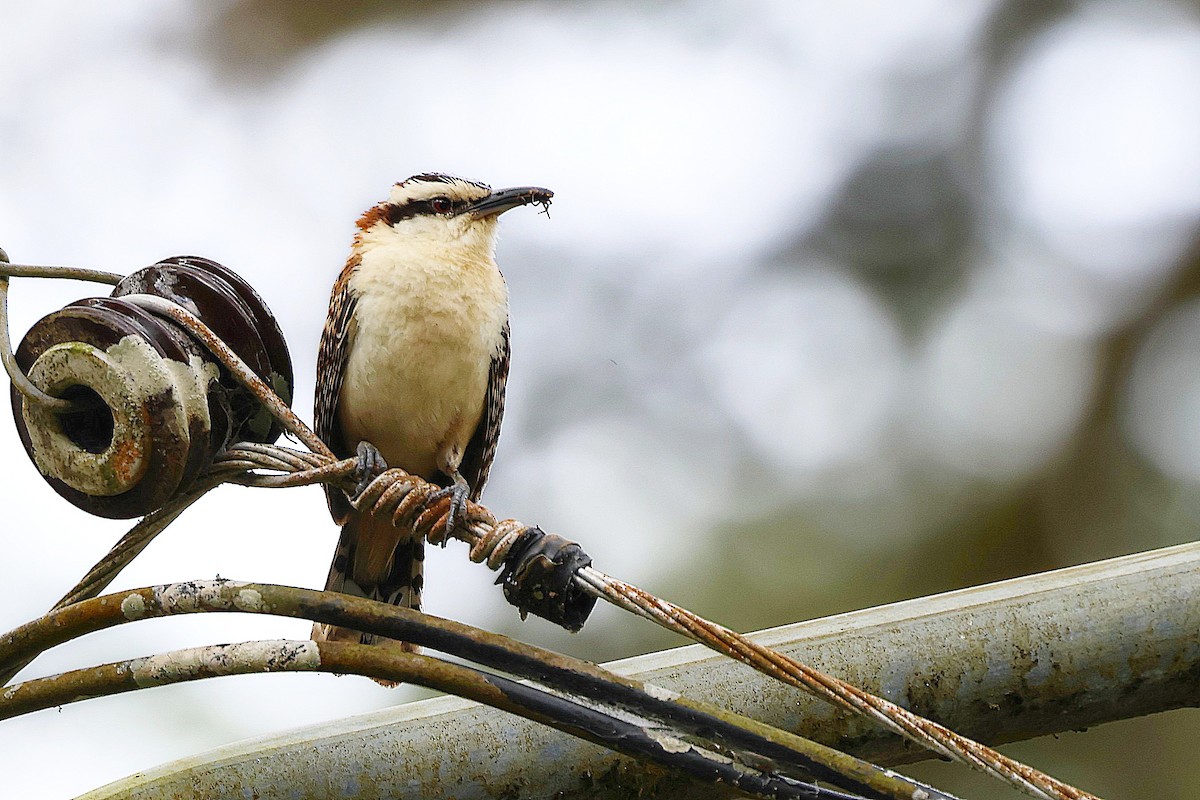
<point x="412" y="365"/>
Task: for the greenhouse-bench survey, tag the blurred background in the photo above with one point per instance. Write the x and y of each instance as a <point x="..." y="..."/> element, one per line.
<point x="837" y="304"/>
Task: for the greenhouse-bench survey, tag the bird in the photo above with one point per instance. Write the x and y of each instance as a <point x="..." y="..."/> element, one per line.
<point x="412" y="368"/>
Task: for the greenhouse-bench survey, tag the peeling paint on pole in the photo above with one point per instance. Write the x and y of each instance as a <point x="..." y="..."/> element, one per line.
<point x="1058" y="651"/>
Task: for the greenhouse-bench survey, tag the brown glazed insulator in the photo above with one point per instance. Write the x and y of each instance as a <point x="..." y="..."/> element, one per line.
<point x="238" y="315"/>
<point x="155" y="406"/>
<point x="144" y="399"/>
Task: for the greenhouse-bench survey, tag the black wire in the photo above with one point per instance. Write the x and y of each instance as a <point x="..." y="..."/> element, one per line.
<point x="634" y="739"/>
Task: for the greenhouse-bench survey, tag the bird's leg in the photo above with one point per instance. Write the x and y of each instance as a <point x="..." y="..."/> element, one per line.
<point x="459" y="492"/>
<point x="370" y="466"/>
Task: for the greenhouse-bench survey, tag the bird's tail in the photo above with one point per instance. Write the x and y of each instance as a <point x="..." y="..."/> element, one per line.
<point x="371" y="562"/>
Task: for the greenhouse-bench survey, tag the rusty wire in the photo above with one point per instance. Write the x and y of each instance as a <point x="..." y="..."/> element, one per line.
<point x="912" y="726"/>
<point x="406" y="499"/>
<point x="19" y="379"/>
<point x="62" y="273"/>
<point x="118" y="557"/>
<point x="234" y="363"/>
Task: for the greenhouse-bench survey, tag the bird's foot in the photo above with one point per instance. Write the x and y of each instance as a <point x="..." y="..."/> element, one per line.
<point x="459" y="493"/>
<point x="370" y="466"/>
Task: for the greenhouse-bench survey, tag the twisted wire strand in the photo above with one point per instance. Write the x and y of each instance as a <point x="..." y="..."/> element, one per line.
<point x="28" y="389"/>
<point x="896" y="718"/>
<point x="19" y="379"/>
<point x="236" y="366"/>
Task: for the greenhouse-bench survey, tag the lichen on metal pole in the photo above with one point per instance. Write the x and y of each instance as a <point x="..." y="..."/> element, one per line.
<point x="1057" y="651"/>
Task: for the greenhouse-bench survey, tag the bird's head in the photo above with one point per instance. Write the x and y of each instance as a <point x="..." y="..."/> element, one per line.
<point x="443" y="211"/>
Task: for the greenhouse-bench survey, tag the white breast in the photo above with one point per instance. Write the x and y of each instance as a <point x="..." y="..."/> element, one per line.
<point x="426" y="329"/>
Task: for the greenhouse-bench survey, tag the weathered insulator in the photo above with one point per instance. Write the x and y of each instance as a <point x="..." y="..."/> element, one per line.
<point x="152" y="404"/>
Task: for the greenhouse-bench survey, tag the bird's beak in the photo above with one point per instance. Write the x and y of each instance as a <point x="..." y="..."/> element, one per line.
<point x="498" y="202"/>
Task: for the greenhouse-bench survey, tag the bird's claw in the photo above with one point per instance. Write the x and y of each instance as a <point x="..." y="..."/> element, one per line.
<point x="370" y="466"/>
<point x="458" y="493"/>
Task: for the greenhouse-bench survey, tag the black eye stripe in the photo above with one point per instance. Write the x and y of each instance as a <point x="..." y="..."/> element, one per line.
<point x="395" y="212"/>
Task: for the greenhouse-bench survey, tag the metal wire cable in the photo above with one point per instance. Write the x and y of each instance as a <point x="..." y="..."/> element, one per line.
<point x="19" y="379"/>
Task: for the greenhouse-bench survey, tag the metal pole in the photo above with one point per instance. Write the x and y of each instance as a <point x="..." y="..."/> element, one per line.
<point x="1058" y="651"/>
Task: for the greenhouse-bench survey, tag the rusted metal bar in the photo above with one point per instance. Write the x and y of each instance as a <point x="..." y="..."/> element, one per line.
<point x="1057" y="651"/>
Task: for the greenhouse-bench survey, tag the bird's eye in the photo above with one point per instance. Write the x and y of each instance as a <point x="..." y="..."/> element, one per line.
<point x="441" y="205"/>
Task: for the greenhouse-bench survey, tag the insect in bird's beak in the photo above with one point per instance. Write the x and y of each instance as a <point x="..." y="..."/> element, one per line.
<point x="500" y="201"/>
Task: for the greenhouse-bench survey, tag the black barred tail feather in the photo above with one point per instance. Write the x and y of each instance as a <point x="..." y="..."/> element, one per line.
<point x="364" y="566"/>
